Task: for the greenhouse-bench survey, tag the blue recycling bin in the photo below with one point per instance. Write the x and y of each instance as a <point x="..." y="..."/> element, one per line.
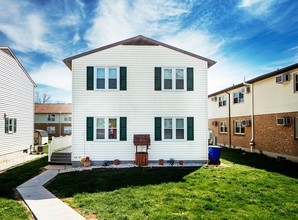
<point x="214" y="154"/>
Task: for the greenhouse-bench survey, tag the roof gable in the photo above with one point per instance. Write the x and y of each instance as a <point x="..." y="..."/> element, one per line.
<point x="8" y="51"/>
<point x="137" y="41"/>
<point x="53" y="108"/>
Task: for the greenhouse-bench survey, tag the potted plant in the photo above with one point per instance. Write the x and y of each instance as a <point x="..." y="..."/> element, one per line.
<point x="116" y="162"/>
<point x="181" y="162"/>
<point x="161" y="162"/>
<point x="86" y="161"/>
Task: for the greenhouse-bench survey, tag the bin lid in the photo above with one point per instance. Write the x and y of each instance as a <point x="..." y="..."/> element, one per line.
<point x="214" y="146"/>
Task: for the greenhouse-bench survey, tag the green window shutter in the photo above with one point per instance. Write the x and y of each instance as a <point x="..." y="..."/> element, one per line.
<point x="6" y="125"/>
<point x="15" y="125"/>
<point x="90" y="78"/>
<point x="189" y="72"/>
<point x="89" y="129"/>
<point x="190" y="128"/>
<point x="157" y="128"/>
<point x="123" y="129"/>
<point x="123" y="78"/>
<point x="157" y="79"/>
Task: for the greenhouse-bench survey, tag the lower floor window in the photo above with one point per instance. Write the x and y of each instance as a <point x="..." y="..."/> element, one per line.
<point x="51" y="130"/>
<point x="106" y="128"/>
<point x="10" y="125"/>
<point x="296" y="128"/>
<point x="67" y="130"/>
<point x="239" y="127"/>
<point x="223" y="128"/>
<point x="174" y="128"/>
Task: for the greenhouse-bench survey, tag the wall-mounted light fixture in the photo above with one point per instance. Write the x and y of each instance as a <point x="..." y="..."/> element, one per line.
<point x="5" y="115"/>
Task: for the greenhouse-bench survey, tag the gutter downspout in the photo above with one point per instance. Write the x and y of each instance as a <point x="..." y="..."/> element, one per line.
<point x="252" y="141"/>
<point x="230" y="137"/>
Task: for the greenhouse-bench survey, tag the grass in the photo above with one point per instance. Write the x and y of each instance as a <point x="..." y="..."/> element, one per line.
<point x="250" y="187"/>
<point x="10" y="208"/>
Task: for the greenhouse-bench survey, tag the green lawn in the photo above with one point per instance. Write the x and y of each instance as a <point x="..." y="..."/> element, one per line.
<point x="251" y="187"/>
<point x="10" y="208"/>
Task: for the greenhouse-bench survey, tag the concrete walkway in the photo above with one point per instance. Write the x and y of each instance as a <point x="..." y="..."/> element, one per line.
<point x="43" y="204"/>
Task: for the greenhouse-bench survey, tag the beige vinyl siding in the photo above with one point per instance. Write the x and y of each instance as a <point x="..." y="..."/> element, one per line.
<point x="271" y="97"/>
<point x="43" y="118"/>
<point x="140" y="103"/>
<point x="16" y="100"/>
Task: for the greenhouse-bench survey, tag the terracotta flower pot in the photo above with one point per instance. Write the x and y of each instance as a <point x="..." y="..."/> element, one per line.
<point x="87" y="163"/>
<point x="116" y="162"/>
<point x="161" y="162"/>
<point x="181" y="162"/>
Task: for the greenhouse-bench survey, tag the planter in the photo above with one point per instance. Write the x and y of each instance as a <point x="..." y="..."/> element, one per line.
<point x="87" y="163"/>
<point x="161" y="162"/>
<point x="116" y="162"/>
<point x="181" y="162"/>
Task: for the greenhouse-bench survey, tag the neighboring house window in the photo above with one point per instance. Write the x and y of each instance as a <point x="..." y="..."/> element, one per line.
<point x="10" y="125"/>
<point x="239" y="127"/>
<point x="296" y="128"/>
<point x="238" y="97"/>
<point x="107" y="78"/>
<point x="296" y="83"/>
<point x="51" y="117"/>
<point x="222" y="101"/>
<point x="106" y="129"/>
<point x="174" y="128"/>
<point x="51" y="129"/>
<point x="67" y="130"/>
<point x="67" y="117"/>
<point x="223" y="128"/>
<point x="174" y="78"/>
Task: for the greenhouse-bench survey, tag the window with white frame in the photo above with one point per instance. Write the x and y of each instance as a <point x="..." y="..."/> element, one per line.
<point x="67" y="117"/>
<point x="174" y="129"/>
<point x="222" y="101"/>
<point x="107" y="78"/>
<point x="239" y="127"/>
<point x="296" y="83"/>
<point x="106" y="129"/>
<point x="238" y="97"/>
<point x="51" y="129"/>
<point x="51" y="117"/>
<point x="223" y="127"/>
<point x="10" y="125"/>
<point x="174" y="78"/>
<point x="67" y="130"/>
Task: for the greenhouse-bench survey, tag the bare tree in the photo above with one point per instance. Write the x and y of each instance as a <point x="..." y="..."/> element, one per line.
<point x="42" y="98"/>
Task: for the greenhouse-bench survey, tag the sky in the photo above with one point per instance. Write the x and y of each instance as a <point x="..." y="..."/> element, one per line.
<point x="246" y="38"/>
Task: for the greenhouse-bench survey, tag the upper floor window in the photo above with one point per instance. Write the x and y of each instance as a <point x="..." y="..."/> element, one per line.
<point x="174" y="128"/>
<point x="51" y="117"/>
<point x="67" y="117"/>
<point x="222" y="101"/>
<point x="223" y="127"/>
<point x="238" y="97"/>
<point x="107" y="78"/>
<point x="174" y="78"/>
<point x="296" y="83"/>
<point x="106" y="129"/>
<point x="239" y="127"/>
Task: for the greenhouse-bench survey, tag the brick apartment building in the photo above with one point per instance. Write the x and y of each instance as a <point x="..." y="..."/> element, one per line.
<point x="260" y="115"/>
<point x="53" y="118"/>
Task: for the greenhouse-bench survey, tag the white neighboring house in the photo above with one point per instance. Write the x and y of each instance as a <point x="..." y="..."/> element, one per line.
<point x="139" y="86"/>
<point x="16" y="106"/>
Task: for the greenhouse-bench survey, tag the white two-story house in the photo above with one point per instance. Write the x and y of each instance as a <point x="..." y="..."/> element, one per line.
<point x="16" y="107"/>
<point x="139" y="86"/>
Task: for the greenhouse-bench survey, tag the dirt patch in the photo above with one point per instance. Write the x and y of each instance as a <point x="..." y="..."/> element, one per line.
<point x="218" y="166"/>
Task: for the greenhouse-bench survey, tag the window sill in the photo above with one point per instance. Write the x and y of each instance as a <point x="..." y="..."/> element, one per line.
<point x="224" y="133"/>
<point x="239" y="134"/>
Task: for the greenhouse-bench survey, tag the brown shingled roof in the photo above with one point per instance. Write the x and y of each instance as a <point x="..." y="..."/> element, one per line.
<point x="138" y="40"/>
<point x="53" y="108"/>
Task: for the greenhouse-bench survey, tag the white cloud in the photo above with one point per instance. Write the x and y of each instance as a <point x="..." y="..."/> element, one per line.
<point x="257" y="7"/>
<point x="55" y="75"/>
<point x="76" y="38"/>
<point x="117" y="20"/>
